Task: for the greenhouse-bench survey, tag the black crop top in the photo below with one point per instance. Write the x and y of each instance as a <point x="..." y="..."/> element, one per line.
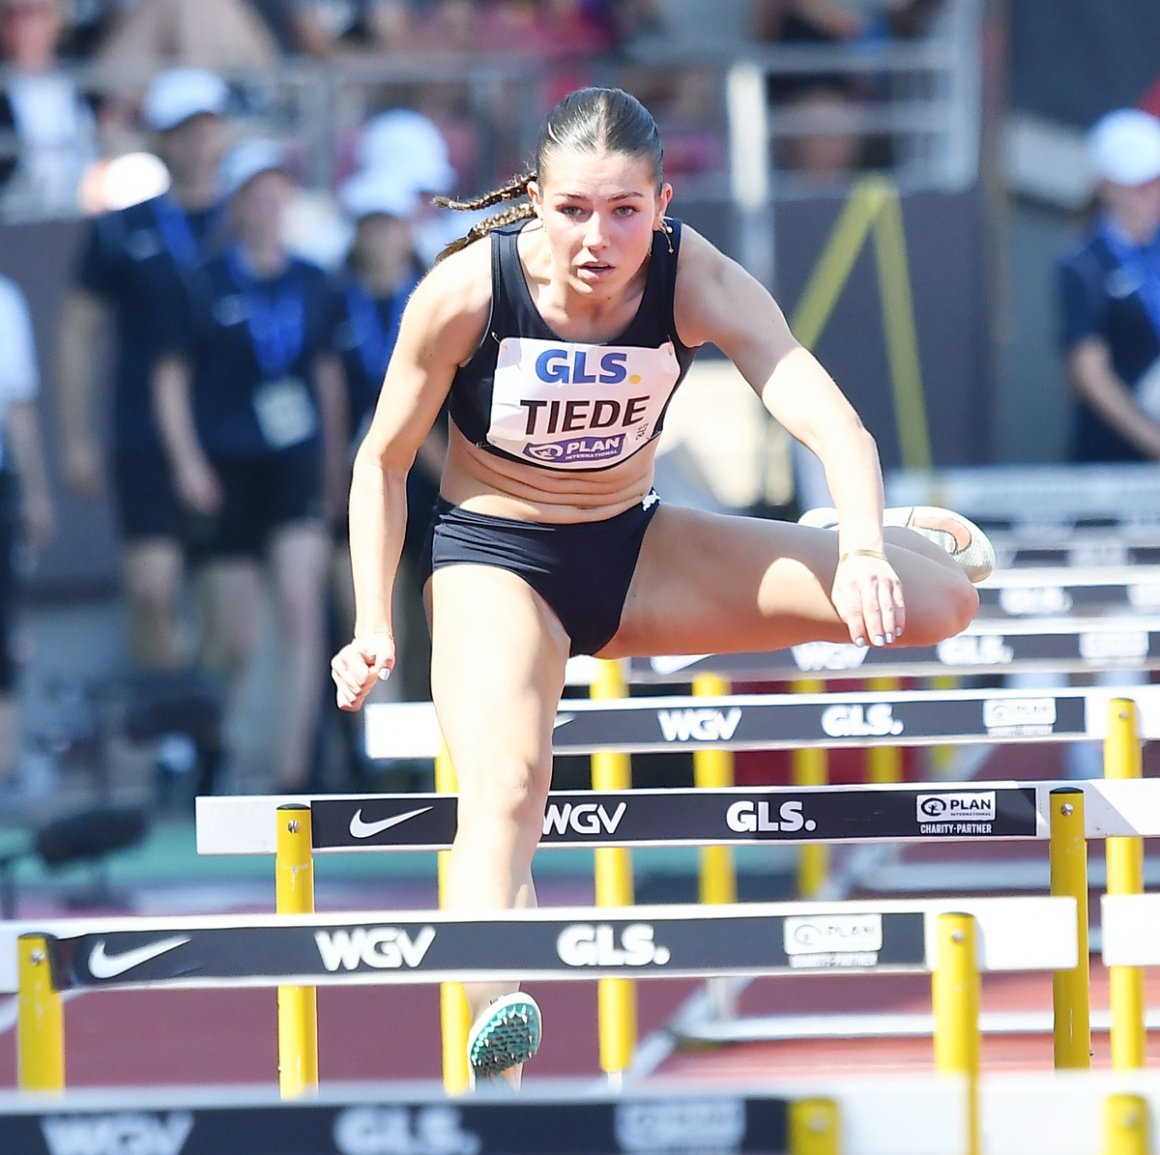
<point x="529" y="396"/>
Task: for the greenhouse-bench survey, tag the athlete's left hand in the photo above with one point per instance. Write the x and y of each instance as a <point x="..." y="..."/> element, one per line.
<point x="867" y="593"/>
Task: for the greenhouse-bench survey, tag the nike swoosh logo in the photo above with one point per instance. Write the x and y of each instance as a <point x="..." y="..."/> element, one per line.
<point x="362" y="829"/>
<point x="103" y="965"/>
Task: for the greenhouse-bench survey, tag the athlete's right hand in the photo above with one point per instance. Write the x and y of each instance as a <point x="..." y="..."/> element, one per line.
<point x="356" y="668"/>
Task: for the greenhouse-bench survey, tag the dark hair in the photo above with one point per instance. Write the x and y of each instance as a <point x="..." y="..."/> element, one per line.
<point x="587" y="120"/>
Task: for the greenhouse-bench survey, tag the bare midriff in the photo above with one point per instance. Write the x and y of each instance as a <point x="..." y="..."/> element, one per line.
<point x="487" y="483"/>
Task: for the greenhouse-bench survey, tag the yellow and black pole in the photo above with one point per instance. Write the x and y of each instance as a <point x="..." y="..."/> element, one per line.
<point x="1125" y="862"/>
<point x="1126" y="1125"/>
<point x="455" y="1015"/>
<point x="616" y="998"/>
<point x="1071" y="992"/>
<point x="713" y="770"/>
<point x="955" y="995"/>
<point x="810" y="767"/>
<point x="813" y="1127"/>
<point x="40" y="1020"/>
<point x="297" y="1006"/>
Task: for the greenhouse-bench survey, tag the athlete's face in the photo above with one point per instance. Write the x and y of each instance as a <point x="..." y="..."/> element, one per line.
<point x="599" y="212"/>
<point x="1136" y="207"/>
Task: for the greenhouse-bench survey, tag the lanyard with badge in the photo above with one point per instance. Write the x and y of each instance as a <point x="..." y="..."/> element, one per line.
<point x="1140" y="265"/>
<point x="180" y="240"/>
<point x="276" y="319"/>
<point x="375" y="340"/>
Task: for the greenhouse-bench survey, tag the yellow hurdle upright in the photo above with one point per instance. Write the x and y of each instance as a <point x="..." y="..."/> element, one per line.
<point x="713" y="770"/>
<point x="1125" y="859"/>
<point x="810" y="767"/>
<point x="40" y="1020"/>
<point x="955" y="998"/>
<point x="1126" y="1125"/>
<point x="1071" y="990"/>
<point x="297" y="1006"/>
<point x="616" y="998"/>
<point x="814" y="1127"/>
<point x="454" y="1013"/>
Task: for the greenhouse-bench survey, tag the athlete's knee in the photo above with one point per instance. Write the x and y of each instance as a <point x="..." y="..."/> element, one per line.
<point x="949" y="610"/>
<point x="504" y="795"/>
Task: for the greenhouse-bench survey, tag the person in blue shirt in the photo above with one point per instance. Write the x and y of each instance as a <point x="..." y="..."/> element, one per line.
<point x="249" y="400"/>
<point x="1109" y="298"/>
<point x="559" y="329"/>
<point x="129" y="258"/>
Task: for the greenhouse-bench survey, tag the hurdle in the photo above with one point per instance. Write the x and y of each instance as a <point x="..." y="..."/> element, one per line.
<point x="559" y="1118"/>
<point x="949" y="940"/>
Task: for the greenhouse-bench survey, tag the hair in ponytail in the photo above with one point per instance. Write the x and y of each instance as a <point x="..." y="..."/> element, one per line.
<point x="587" y="120"/>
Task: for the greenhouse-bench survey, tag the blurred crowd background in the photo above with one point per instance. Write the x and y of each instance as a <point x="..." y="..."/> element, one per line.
<point x="273" y="151"/>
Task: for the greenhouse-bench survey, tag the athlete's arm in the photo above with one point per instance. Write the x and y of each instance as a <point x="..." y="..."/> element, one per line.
<point x="718" y="301"/>
<point x="441" y="328"/>
<point x="82" y="324"/>
<point x="1094" y="380"/>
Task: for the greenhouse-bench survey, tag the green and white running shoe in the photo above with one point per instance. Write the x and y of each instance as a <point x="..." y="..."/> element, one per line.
<point x="506" y="1034"/>
<point x="962" y="539"/>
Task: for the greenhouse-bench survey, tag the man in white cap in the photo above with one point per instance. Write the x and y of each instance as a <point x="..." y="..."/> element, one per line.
<point x="130" y="258"/>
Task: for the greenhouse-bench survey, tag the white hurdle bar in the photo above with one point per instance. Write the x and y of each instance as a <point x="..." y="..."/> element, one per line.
<point x="547" y="1118"/>
<point x="695" y="816"/>
<point x="794" y="721"/>
<point x="573" y="943"/>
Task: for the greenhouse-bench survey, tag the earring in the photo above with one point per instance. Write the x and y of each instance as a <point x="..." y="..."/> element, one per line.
<point x="667" y="229"/>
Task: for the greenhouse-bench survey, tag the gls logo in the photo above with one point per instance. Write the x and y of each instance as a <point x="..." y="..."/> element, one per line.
<point x="873" y="721"/>
<point x="123" y="1134"/>
<point x="701" y="725"/>
<point x="570" y="367"/>
<point x="752" y="817"/>
<point x="393" y="1131"/>
<point x="380" y="947"/>
<point x="588" y="945"/>
<point x="582" y="818"/>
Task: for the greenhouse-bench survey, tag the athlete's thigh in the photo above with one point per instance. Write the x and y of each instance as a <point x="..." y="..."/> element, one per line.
<point x="497" y="671"/>
<point x="713" y="582"/>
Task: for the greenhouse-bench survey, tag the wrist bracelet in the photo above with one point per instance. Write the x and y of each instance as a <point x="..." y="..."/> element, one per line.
<point x="875" y="553"/>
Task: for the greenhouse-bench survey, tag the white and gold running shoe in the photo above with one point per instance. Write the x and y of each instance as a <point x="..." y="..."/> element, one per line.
<point x="961" y="538"/>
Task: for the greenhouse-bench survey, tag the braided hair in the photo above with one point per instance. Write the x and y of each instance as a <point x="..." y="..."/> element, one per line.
<point x="587" y="120"/>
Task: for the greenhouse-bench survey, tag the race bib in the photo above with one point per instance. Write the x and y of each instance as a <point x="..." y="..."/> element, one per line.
<point x="285" y="413"/>
<point x="564" y="405"/>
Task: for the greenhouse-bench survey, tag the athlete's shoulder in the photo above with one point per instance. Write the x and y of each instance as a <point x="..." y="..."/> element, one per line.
<point x="458" y="285"/>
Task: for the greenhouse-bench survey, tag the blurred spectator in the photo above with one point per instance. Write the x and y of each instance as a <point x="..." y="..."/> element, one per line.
<point x="25" y="506"/>
<point x="48" y="134"/>
<point x="829" y="98"/>
<point x="382" y="271"/>
<point x="1109" y="317"/>
<point x="224" y="35"/>
<point x="1109" y="298"/>
<point x="411" y="146"/>
<point x="1151" y="100"/>
<point x="87" y="23"/>
<point x="249" y="399"/>
<point x="323" y="29"/>
<point x="129" y="258"/>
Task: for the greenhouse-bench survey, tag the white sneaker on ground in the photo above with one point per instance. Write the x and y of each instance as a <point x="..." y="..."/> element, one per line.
<point x="961" y="538"/>
<point x="504" y="1036"/>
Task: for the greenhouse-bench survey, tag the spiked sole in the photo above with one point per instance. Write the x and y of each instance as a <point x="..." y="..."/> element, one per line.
<point x="504" y="1036"/>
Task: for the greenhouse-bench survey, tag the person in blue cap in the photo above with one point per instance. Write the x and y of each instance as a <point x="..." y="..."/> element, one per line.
<point x="249" y="399"/>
